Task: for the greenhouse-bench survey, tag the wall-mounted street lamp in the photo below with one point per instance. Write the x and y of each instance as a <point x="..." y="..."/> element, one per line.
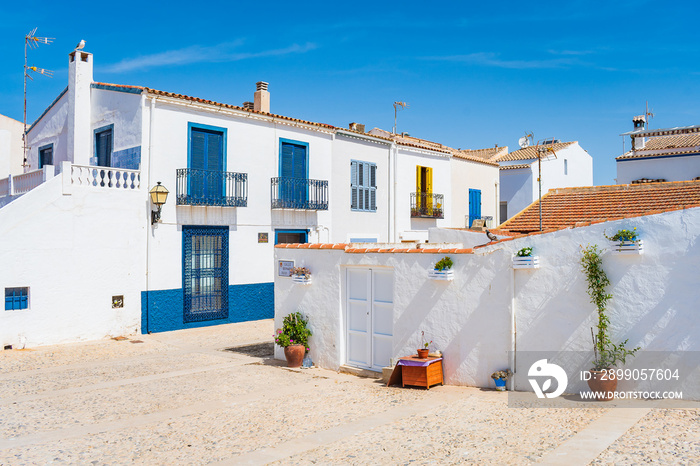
<point x="158" y="197"/>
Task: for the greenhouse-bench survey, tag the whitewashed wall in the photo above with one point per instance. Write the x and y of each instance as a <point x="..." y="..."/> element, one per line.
<point x="517" y="189"/>
<point x="347" y="223"/>
<point x="469" y="319"/>
<point x="465" y="175"/>
<point x="73" y="264"/>
<point x="11" y="147"/>
<point x="667" y="168"/>
<point x="51" y="129"/>
<point x="409" y="229"/>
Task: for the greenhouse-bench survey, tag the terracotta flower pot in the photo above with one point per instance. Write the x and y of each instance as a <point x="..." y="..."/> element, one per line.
<point x="604" y="386"/>
<point x="423" y="353"/>
<point x="294" y="355"/>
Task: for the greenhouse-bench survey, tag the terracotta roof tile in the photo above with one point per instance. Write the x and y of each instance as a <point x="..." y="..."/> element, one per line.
<point x="530" y="153"/>
<point x="515" y="167"/>
<point x="569" y="207"/>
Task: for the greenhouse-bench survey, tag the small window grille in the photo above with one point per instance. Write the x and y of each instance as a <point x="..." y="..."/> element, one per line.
<point x="16" y="298"/>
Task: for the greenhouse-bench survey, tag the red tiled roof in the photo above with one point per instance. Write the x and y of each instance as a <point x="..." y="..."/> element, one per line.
<point x="570" y="207"/>
<point x="385" y="250"/>
<point x="530" y="153"/>
<point x="515" y="167"/>
<point x="685" y="143"/>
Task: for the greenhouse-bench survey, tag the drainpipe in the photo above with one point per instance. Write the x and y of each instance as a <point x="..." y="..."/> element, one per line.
<point x="394" y="151"/>
<point x="148" y="228"/>
<point x="513" y="330"/>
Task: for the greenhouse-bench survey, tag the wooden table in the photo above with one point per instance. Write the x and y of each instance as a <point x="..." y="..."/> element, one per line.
<point x="421" y="372"/>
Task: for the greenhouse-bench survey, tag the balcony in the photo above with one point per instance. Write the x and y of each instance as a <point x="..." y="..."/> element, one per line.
<point x="211" y="188"/>
<point x="299" y="193"/>
<point x="427" y="205"/>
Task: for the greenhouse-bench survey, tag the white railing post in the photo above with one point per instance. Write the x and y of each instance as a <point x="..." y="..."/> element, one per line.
<point x="10" y="186"/>
<point x="66" y="172"/>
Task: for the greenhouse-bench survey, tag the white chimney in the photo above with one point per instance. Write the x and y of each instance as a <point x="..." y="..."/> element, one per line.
<point x="261" y="97"/>
<point x="79" y="114"/>
<point x="639" y="123"/>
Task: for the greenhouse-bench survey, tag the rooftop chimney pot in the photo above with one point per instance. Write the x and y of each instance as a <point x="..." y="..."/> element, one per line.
<point x="261" y="97"/>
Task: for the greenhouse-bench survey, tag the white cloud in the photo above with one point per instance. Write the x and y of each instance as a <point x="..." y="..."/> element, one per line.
<point x="197" y="54"/>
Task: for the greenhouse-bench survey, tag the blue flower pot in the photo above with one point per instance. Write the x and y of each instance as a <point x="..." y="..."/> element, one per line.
<point x="500" y="384"/>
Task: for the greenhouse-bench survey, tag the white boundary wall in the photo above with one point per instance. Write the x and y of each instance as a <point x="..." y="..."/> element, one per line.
<point x="654" y="301"/>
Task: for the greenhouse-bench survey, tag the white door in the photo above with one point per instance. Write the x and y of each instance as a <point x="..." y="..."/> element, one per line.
<point x="370" y="304"/>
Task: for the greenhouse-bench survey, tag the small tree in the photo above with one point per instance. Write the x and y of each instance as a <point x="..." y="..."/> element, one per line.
<point x="607" y="354"/>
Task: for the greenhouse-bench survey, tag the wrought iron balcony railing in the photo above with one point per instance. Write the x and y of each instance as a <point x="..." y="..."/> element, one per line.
<point x="299" y="193"/>
<point x="211" y="188"/>
<point x="427" y="205"/>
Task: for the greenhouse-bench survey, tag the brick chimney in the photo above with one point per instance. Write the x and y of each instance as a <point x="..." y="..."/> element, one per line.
<point x="261" y="97"/>
<point x="249" y="105"/>
<point x="357" y="127"/>
<point x="79" y="108"/>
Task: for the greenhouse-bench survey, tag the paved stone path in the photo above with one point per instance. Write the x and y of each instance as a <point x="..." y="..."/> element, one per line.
<point x="177" y="398"/>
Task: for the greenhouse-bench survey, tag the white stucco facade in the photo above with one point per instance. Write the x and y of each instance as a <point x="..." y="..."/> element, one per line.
<point x="519" y="187"/>
<point x="472" y="318"/>
<point x="11" y="150"/>
<point x="669" y="168"/>
<point x="468" y="175"/>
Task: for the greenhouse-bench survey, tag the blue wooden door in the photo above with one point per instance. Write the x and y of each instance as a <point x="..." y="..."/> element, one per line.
<point x="293" y="171"/>
<point x="474" y="205"/>
<point x="207" y="161"/>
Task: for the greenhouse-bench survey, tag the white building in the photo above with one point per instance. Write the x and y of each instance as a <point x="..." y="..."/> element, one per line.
<point x="669" y="154"/>
<point x="563" y="165"/>
<point x="241" y="179"/>
<point x="11" y="146"/>
<point x="367" y="306"/>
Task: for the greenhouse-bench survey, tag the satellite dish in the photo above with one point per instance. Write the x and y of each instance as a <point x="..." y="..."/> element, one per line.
<point x="525" y="141"/>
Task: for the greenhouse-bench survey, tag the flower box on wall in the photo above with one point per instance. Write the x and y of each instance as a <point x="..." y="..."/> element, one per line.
<point x="526" y="262"/>
<point x="627" y="247"/>
<point x="444" y="275"/>
<point x="301" y="279"/>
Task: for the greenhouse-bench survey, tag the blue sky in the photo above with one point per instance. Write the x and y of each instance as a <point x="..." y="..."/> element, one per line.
<point x="475" y="75"/>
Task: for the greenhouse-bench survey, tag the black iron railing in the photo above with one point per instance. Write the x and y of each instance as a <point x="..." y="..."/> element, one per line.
<point x="299" y="193"/>
<point x="214" y="188"/>
<point x="427" y="205"/>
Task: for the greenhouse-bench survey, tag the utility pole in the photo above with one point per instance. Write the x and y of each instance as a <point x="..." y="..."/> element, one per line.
<point x="398" y="105"/>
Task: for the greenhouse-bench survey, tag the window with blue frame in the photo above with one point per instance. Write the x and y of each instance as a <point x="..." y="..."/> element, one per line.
<point x="206" y="162"/>
<point x="104" y="144"/>
<point x="46" y="155"/>
<point x="363" y="186"/>
<point x="291" y="236"/>
<point x="205" y="273"/>
<point x="294" y="172"/>
<point x="16" y="298"/>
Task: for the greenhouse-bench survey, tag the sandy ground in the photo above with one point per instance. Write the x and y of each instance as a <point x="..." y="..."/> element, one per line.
<point x="178" y="398"/>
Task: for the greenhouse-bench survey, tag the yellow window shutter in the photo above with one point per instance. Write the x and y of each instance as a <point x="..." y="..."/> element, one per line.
<point x="418" y="178"/>
<point x="429" y="180"/>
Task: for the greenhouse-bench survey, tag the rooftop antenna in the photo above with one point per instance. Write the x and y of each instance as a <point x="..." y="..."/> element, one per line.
<point x="647" y="114"/>
<point x="398" y="105"/>
<point x="543" y="151"/>
<point x="31" y="40"/>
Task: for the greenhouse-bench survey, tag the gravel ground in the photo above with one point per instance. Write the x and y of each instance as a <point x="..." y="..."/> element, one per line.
<point x="177" y="398"/>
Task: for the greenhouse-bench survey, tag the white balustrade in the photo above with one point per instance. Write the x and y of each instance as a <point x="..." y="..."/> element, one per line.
<point x="5" y="187"/>
<point x="105" y="177"/>
<point x="26" y="182"/>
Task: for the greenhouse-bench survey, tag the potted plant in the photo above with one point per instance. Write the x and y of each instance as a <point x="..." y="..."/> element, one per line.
<point x="301" y="275"/>
<point x="442" y="270"/>
<point x="423" y="350"/>
<point x="606" y="354"/>
<point x="294" y="338"/>
<point x="500" y="378"/>
<point x="524" y="259"/>
<point x="626" y="242"/>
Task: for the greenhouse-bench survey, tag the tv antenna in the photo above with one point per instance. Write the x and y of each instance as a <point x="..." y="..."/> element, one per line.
<point x="32" y="41"/>
<point x="397" y="106"/>
<point x="525" y="141"/>
<point x="544" y="150"/>
<point x="647" y="114"/>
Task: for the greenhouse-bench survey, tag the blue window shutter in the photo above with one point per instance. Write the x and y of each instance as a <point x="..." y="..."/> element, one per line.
<point x="215" y="148"/>
<point x="197" y="148"/>
<point x="299" y="162"/>
<point x="373" y="188"/>
<point x="287" y="162"/>
<point x="361" y="174"/>
<point x="353" y="185"/>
